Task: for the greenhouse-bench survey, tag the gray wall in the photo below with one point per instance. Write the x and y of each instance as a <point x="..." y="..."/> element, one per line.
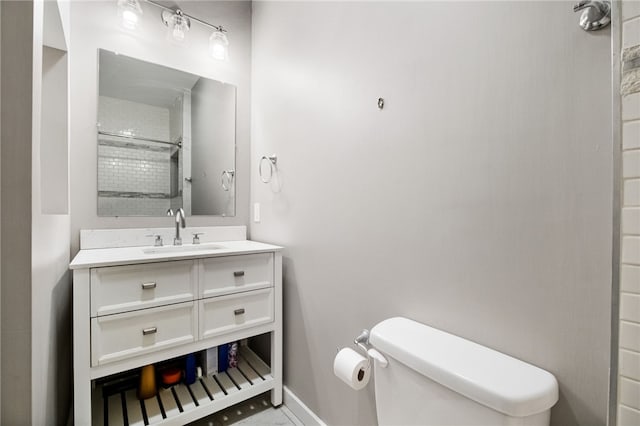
<point x="478" y="201"/>
<point x="0" y="213"/>
<point x="95" y="25"/>
<point x="50" y="225"/>
<point x="35" y="243"/>
<point x="17" y="56"/>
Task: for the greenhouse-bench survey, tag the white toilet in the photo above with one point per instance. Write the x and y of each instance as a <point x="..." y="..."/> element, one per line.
<point x="437" y="379"/>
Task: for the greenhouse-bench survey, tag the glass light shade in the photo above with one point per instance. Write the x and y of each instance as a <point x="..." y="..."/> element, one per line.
<point x="129" y="12"/>
<point x="178" y="26"/>
<point x="219" y="46"/>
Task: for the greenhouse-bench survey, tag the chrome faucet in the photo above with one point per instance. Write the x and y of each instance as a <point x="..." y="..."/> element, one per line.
<point x="180" y="221"/>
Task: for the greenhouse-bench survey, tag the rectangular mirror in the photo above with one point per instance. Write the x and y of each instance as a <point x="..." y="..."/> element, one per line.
<point x="166" y="139"/>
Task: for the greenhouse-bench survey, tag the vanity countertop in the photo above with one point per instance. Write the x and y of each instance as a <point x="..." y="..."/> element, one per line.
<point x="91" y="258"/>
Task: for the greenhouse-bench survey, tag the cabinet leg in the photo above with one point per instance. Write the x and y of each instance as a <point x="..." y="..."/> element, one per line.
<point x="276" y="334"/>
<point x="276" y="367"/>
<point x="81" y="348"/>
<point x="276" y="397"/>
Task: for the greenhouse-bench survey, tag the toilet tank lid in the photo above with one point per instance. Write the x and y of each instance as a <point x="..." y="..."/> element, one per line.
<point x="489" y="377"/>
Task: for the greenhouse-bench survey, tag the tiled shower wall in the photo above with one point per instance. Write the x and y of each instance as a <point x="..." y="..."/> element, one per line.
<point x="134" y="170"/>
<point x="126" y="170"/>
<point x="629" y="351"/>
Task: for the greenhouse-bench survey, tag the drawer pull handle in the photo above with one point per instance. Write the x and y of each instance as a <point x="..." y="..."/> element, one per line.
<point x="238" y="274"/>
<point x="238" y="311"/>
<point x="150" y="330"/>
<point x="148" y="286"/>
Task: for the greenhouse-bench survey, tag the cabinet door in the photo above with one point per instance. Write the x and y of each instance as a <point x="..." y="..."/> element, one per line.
<point x="233" y="274"/>
<point x="224" y="314"/>
<point x="120" y="336"/>
<point x="125" y="288"/>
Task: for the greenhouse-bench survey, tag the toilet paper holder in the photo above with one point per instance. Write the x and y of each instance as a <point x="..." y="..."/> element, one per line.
<point x="362" y="342"/>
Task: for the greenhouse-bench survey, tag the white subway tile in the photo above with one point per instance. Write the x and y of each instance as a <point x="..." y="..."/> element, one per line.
<point x="631" y="107"/>
<point x="628" y="416"/>
<point x="631" y="33"/>
<point x="630" y="279"/>
<point x="125" y="169"/>
<point x="631" y="194"/>
<point x="631" y="134"/>
<point x="631" y="250"/>
<point x="630" y="307"/>
<point x="630" y="336"/>
<point x="631" y="220"/>
<point x="630" y="9"/>
<point x="631" y="164"/>
<point x="629" y="393"/>
<point x="629" y="364"/>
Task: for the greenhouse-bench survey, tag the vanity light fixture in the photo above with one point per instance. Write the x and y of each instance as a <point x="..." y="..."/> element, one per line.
<point x="219" y="45"/>
<point x="129" y="12"/>
<point x="178" y="24"/>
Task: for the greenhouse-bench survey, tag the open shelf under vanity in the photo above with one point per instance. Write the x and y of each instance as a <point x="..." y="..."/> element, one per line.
<point x="182" y="403"/>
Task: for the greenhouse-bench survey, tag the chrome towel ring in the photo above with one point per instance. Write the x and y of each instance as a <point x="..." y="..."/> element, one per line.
<point x="273" y="167"/>
<point x="226" y="179"/>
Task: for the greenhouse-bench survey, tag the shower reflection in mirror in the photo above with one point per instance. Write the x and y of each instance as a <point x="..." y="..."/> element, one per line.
<point x="164" y="138"/>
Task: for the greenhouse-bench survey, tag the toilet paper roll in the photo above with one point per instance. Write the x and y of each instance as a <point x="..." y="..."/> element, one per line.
<point x="352" y="368"/>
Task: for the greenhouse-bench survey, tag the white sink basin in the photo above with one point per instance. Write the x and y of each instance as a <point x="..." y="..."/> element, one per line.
<point x="182" y="249"/>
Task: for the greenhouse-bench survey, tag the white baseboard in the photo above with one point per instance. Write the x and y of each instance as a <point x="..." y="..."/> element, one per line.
<point x="300" y="410"/>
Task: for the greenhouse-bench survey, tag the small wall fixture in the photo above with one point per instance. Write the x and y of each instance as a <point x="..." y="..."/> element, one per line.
<point x="226" y="180"/>
<point x="178" y="24"/>
<point x="129" y="12"/>
<point x="219" y="45"/>
<point x="596" y="14"/>
<point x="272" y="162"/>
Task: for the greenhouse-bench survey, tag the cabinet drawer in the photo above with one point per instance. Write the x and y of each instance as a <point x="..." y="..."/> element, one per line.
<point x="224" y="314"/>
<point x="125" y="288"/>
<point x="232" y="274"/>
<point x="120" y="336"/>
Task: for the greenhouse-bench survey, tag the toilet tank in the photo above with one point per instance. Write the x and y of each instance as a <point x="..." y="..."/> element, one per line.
<point x="436" y="378"/>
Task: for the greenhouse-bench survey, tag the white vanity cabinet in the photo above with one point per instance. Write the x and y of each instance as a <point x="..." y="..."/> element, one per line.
<point x="226" y="314"/>
<point x="127" y="288"/>
<point x="224" y="275"/>
<point x="131" y="309"/>
<point x="125" y="335"/>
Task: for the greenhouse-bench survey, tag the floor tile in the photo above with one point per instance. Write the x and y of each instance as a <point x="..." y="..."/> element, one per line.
<point x="255" y="411"/>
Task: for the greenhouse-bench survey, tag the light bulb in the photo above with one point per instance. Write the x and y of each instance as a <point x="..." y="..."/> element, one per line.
<point x="177" y="33"/>
<point x="129" y="19"/>
<point x="178" y="25"/>
<point x="129" y="12"/>
<point x="218" y="52"/>
<point x="219" y="46"/>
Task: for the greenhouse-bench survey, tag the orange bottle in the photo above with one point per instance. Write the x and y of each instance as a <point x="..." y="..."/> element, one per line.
<point x="147" y="388"/>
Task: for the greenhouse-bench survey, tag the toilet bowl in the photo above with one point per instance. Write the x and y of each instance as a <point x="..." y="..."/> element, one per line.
<point x="434" y="378"/>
